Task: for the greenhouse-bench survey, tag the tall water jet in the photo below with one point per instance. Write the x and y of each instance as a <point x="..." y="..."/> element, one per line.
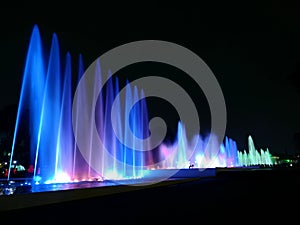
<point x="31" y="97"/>
<point x="75" y="148"/>
<point x="118" y="151"/>
<point x="231" y="152"/>
<point x="51" y="109"/>
<point x="137" y="126"/>
<point x="65" y="141"/>
<point x="253" y="157"/>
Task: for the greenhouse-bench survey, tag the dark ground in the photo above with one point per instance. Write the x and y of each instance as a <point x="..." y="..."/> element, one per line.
<point x="235" y="197"/>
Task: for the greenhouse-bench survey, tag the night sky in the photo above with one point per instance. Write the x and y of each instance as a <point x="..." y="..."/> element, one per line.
<point x="253" y="50"/>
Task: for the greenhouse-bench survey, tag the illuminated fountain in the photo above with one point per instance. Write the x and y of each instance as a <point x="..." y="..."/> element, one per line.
<point x="45" y="112"/>
<point x="211" y="156"/>
<point x="204" y="156"/>
<point x="254" y="157"/>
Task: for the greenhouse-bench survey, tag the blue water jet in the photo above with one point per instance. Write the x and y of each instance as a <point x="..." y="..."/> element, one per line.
<point x="31" y="97"/>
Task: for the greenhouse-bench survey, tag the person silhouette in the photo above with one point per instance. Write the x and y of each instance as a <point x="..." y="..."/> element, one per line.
<point x="191" y="166"/>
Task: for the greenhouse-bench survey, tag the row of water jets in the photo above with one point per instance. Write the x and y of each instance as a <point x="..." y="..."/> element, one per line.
<point x="45" y="112"/>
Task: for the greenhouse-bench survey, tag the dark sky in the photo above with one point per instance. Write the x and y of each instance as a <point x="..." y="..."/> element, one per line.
<point x="253" y="50"/>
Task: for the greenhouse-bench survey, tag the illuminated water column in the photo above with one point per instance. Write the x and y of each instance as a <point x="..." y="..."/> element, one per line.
<point x="253" y="157"/>
<point x="231" y="152"/>
<point x="65" y="141"/>
<point x="267" y="157"/>
<point x="127" y="152"/>
<point x="31" y="97"/>
<point x="176" y="154"/>
<point x="145" y="133"/>
<point x="118" y="147"/>
<point x="51" y="108"/>
<point x="77" y="160"/>
<point x="133" y="159"/>
<point x="137" y="126"/>
<point x="252" y="152"/>
<point x="146" y="155"/>
<point x="181" y="160"/>
<point x="212" y="151"/>
<point x="108" y="137"/>
<point x="81" y="169"/>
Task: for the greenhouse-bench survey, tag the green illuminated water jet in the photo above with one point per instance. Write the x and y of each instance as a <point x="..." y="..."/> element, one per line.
<point x="254" y="157"/>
